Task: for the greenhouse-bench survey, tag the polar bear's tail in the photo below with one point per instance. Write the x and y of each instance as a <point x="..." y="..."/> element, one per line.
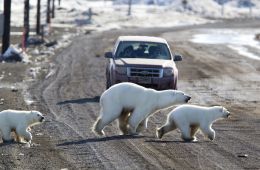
<point x="97" y="127"/>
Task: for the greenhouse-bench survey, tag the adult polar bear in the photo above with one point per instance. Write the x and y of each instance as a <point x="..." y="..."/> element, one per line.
<point x="131" y="104"/>
<point x="18" y="122"/>
<point x="189" y="118"/>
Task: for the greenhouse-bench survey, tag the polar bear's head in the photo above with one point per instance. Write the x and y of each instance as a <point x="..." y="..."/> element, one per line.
<point x="173" y="97"/>
<point x="221" y="111"/>
<point x="35" y="117"/>
<point x="180" y="97"/>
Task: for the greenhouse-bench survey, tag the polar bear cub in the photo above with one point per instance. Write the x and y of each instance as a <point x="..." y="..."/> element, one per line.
<point x="131" y="104"/>
<point x="19" y="122"/>
<point x="190" y="118"/>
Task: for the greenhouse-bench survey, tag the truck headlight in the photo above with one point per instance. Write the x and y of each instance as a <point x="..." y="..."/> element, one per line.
<point x="121" y="70"/>
<point x="167" y="72"/>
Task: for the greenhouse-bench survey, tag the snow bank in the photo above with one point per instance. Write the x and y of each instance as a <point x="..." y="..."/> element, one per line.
<point x="241" y="41"/>
<point x="145" y="13"/>
<point x="114" y="15"/>
<point x="207" y="8"/>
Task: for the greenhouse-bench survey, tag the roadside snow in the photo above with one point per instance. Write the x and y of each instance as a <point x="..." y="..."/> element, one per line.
<point x="145" y="13"/>
<point x="110" y="16"/>
<point x="239" y="40"/>
<point x="207" y="8"/>
<point x="115" y="16"/>
<point x="244" y="51"/>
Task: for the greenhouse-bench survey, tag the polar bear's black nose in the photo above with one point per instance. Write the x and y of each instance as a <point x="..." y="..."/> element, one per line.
<point x="188" y="98"/>
<point x="228" y="114"/>
<point x="42" y="119"/>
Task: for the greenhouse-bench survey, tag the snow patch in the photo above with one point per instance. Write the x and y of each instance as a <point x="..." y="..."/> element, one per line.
<point x="238" y="40"/>
<point x="34" y="71"/>
<point x="52" y="71"/>
<point x="145" y="13"/>
<point x="244" y="51"/>
<point x="27" y="97"/>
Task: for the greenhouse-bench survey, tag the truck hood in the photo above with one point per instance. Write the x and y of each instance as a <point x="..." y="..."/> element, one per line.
<point x="144" y="62"/>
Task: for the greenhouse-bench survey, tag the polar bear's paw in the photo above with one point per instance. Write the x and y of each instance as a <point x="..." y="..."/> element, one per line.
<point x="98" y="128"/>
<point x="133" y="133"/>
<point x="8" y="141"/>
<point x="100" y="133"/>
<point x="159" y="133"/>
<point x="192" y="139"/>
<point x="211" y="136"/>
<point x="189" y="139"/>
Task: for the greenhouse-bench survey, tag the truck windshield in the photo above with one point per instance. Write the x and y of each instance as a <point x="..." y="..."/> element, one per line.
<point x="149" y="50"/>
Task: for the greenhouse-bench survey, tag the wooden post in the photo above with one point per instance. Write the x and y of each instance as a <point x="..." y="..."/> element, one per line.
<point x="53" y="9"/>
<point x="129" y="7"/>
<point x="90" y="14"/>
<point x="250" y="8"/>
<point x="222" y="9"/>
<point x="48" y="19"/>
<point x="38" y="18"/>
<point x="26" y="21"/>
<point x="184" y="4"/>
<point x="6" y="34"/>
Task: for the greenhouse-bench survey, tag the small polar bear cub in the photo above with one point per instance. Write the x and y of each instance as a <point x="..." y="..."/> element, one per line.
<point x="18" y="122"/>
<point x="132" y="104"/>
<point x="190" y="118"/>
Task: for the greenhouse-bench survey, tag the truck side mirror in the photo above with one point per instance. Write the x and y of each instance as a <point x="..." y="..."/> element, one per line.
<point x="108" y="55"/>
<point x="177" y="58"/>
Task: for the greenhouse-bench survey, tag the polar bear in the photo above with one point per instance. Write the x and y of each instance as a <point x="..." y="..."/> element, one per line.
<point x="19" y="122"/>
<point x="190" y="118"/>
<point x="131" y="104"/>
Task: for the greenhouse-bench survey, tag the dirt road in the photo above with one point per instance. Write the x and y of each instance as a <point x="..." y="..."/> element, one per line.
<point x="212" y="75"/>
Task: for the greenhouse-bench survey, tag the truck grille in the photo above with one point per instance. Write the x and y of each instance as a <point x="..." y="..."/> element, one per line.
<point x="144" y="72"/>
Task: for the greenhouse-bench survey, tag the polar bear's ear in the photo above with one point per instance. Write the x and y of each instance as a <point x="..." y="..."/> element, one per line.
<point x="220" y="108"/>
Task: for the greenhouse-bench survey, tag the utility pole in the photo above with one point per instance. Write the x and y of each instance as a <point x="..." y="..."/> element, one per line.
<point x="129" y="7"/>
<point x="250" y="8"/>
<point x="38" y="18"/>
<point x="7" y="16"/>
<point x="53" y="9"/>
<point x="222" y="9"/>
<point x="90" y="14"/>
<point x="222" y="3"/>
<point x="26" y="21"/>
<point x="184" y="4"/>
<point x="59" y="2"/>
<point x="48" y="20"/>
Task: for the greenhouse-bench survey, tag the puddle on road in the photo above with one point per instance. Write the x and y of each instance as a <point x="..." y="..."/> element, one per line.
<point x="238" y="40"/>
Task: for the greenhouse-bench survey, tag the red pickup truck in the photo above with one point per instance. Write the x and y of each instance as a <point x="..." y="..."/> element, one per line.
<point x="143" y="60"/>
